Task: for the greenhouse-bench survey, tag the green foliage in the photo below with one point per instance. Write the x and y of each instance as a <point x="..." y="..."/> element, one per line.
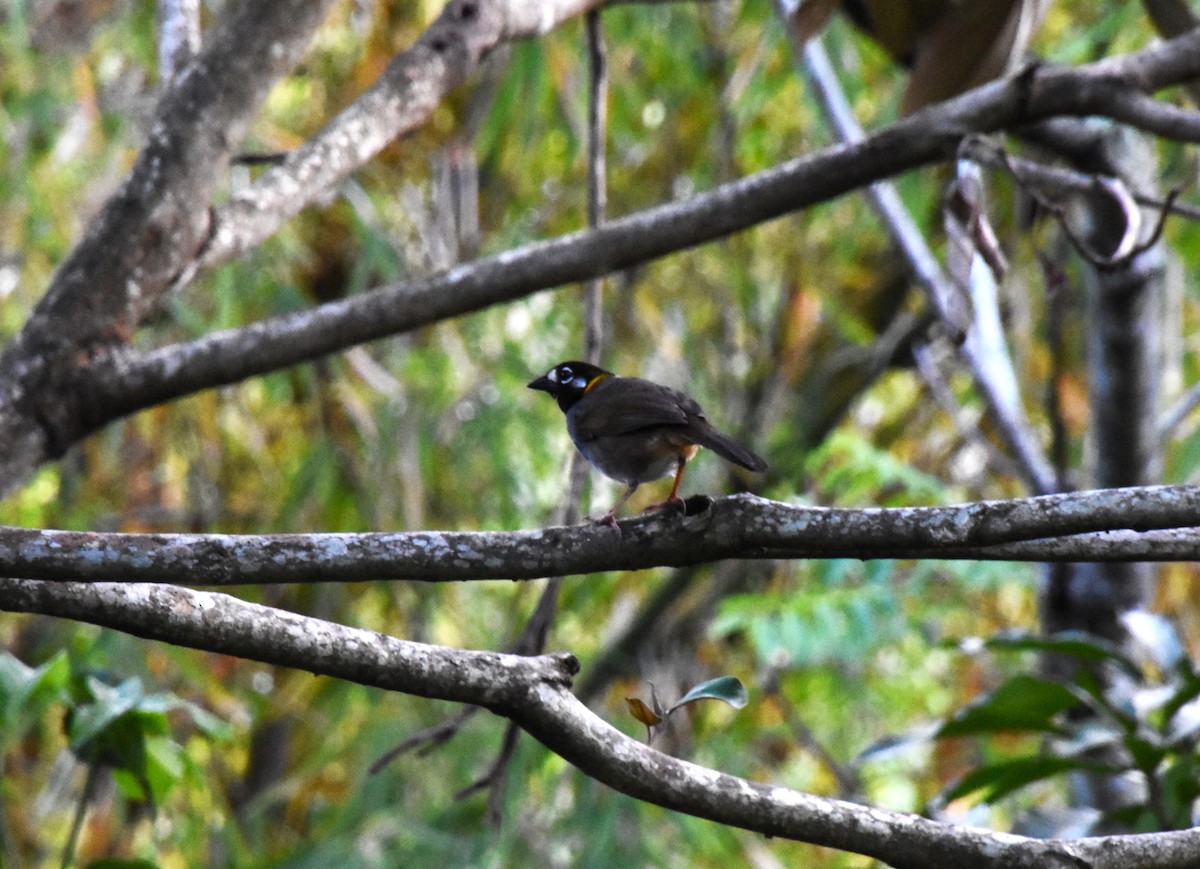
<point x="434" y="429"/>
<point x="728" y="689"/>
<point x="120" y="726"/>
<point x="856" y="471"/>
<point x="28" y="693"/>
<point x="851" y="610"/>
<point x="997" y="780"/>
<point x="1145" y="724"/>
<point x="1021" y="703"/>
<point x="108" y="723"/>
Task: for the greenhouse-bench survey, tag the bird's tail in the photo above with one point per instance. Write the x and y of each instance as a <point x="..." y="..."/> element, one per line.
<point x="727" y="448"/>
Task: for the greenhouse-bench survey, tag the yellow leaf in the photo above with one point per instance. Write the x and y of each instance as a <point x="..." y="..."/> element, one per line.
<point x="642" y="712"/>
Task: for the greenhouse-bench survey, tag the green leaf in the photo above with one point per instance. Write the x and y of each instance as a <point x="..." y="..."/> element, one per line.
<point x="997" y="780"/>
<point x="1188" y="688"/>
<point x="108" y="705"/>
<point x="726" y="688"/>
<point x="1180" y="787"/>
<point x="1146" y="755"/>
<point x="1077" y="644"/>
<point x="26" y="691"/>
<point x="1022" y="703"/>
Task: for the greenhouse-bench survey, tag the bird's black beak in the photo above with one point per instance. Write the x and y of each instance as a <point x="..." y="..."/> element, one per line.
<point x="545" y="384"/>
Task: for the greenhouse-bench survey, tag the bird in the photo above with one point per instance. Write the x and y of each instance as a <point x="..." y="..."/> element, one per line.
<point x="633" y="430"/>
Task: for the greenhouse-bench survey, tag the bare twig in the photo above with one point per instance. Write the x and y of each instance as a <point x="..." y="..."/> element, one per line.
<point x="964" y="419"/>
<point x="850" y="786"/>
<point x="1178" y="412"/>
<point x="1059" y="177"/>
<point x="984" y="349"/>
<point x="1057" y="287"/>
<point x="597" y="184"/>
<point x="428" y="739"/>
<point x="493" y="779"/>
<point x="1130" y="246"/>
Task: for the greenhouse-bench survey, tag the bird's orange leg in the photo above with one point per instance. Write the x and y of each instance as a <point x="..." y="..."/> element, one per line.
<point x="673" y="500"/>
<point x="611" y="518"/>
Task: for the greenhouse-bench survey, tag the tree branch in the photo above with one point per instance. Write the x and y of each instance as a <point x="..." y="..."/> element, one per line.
<point x="401" y="100"/>
<point x="178" y="37"/>
<point x="147" y="232"/>
<point x="983" y="350"/>
<point x="131" y="382"/>
<point x="1077" y="526"/>
<point x="535" y="693"/>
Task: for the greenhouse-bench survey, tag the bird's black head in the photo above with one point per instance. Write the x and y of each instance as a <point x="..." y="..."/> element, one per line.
<point x="569" y="381"/>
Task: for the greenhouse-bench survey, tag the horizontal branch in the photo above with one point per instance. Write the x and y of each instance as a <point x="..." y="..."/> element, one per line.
<point x="456" y="43"/>
<point x="125" y="383"/>
<point x="536" y="694"/>
<point x="1104" y="525"/>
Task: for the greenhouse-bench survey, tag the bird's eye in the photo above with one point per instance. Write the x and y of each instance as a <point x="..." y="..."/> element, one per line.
<point x="565" y="374"/>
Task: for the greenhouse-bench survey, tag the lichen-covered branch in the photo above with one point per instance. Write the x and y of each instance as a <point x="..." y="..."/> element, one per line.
<point x="535" y="693"/>
<point x="149" y="231"/>
<point x="1152" y="523"/>
<point x="402" y="99"/>
<point x="132" y="382"/>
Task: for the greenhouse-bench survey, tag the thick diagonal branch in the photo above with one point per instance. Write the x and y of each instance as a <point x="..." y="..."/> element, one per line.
<point x="147" y="232"/>
<point x="402" y="99"/>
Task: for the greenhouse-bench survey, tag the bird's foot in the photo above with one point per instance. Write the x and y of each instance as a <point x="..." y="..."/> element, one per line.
<point x="674" y="501"/>
<point x="611" y="521"/>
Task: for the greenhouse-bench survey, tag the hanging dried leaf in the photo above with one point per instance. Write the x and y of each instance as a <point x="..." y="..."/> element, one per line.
<point x="949" y="46"/>
<point x="810" y="16"/>
<point x="642" y="712"/>
<point x="971" y="44"/>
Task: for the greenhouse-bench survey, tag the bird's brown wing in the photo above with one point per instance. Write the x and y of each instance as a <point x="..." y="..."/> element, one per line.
<point x="624" y="405"/>
<point x="621" y="405"/>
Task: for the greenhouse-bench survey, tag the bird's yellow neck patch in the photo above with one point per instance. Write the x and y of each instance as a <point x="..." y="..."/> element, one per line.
<point x="594" y="381"/>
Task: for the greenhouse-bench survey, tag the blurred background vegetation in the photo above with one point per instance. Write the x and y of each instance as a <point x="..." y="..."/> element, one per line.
<point x="253" y="766"/>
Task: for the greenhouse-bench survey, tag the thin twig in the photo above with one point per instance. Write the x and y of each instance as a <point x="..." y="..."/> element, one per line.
<point x="94" y="768"/>
<point x="987" y="368"/>
<point x="1030" y="175"/>
<point x="977" y="148"/>
<point x="1056" y="303"/>
<point x="850" y="785"/>
<point x="1178" y="412"/>
<point x="427" y="740"/>
<point x="532" y="640"/>
<point x="963" y="418"/>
